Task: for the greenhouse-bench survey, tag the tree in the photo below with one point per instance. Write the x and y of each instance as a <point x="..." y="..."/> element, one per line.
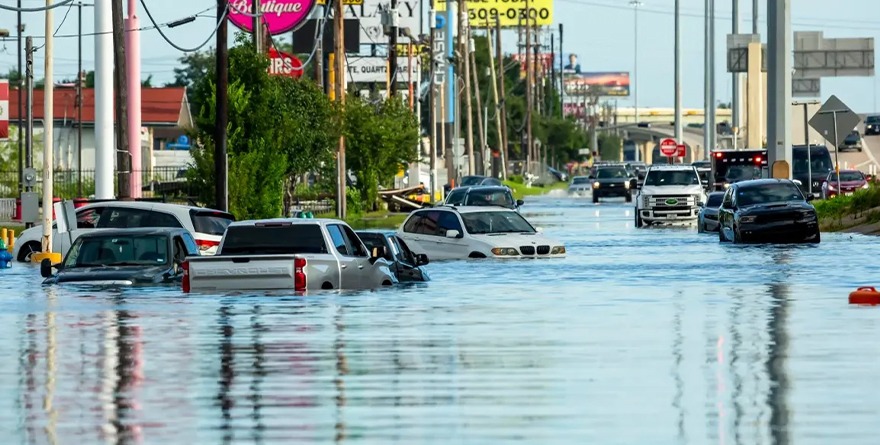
<point x="196" y="67"/>
<point x="380" y="138"/>
<point x="148" y="82"/>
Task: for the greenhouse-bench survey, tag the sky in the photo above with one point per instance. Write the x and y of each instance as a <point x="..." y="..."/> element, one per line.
<point x="601" y="32"/>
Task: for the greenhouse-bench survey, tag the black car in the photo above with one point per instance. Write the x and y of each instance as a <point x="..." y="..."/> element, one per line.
<point x="872" y="125"/>
<point x="852" y="141"/>
<point x="613" y="181"/>
<point x="406" y="265"/>
<point x="483" y="196"/>
<point x="467" y="181"/>
<point x="148" y="256"/>
<point x="707" y="220"/>
<point x="767" y="210"/>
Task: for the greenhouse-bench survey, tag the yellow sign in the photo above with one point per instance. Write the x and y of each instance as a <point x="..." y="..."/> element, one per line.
<point x="344" y="2"/>
<point x="511" y="13"/>
<point x="403" y="49"/>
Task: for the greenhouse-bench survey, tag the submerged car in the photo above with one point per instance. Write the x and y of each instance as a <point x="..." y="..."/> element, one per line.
<point x="613" y="181"/>
<point x="448" y="233"/>
<point x="767" y="210"/>
<point x="579" y="186"/>
<point x="483" y="196"/>
<point x="405" y="264"/>
<point x="124" y="257"/>
<point x="707" y="220"/>
<point x="850" y="181"/>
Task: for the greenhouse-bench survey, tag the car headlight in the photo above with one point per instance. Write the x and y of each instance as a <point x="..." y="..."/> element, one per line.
<point x="626" y="184"/>
<point x="595" y="185"/>
<point x="556" y="250"/>
<point x="747" y="219"/>
<point x="505" y="251"/>
<point x="726" y="185"/>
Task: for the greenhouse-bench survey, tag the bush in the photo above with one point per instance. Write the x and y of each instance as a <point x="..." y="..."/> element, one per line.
<point x="516" y="179"/>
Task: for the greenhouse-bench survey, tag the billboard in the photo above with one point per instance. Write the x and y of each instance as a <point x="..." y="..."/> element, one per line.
<point x="369" y="18"/>
<point x="614" y="84"/>
<point x="575" y="110"/>
<point x="375" y="69"/>
<point x="279" y="16"/>
<point x="511" y="14"/>
<point x="545" y="60"/>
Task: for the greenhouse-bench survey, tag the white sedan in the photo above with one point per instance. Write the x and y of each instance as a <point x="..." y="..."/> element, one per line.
<point x="580" y="186"/>
<point x="447" y="233"/>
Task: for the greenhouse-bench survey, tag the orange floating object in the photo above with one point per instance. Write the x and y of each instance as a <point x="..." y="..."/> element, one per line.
<point x="865" y="295"/>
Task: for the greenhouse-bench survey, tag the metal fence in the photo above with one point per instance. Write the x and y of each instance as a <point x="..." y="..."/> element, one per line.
<point x="68" y="184"/>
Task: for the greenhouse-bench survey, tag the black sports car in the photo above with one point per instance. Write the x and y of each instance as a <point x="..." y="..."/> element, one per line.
<point x="406" y="265"/>
<point x="767" y="210"/>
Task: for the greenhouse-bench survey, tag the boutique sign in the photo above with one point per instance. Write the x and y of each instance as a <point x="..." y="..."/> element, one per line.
<point x="279" y="16"/>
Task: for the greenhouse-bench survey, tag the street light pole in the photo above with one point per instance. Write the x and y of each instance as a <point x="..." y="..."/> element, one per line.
<point x="678" y="123"/>
<point x="635" y="4"/>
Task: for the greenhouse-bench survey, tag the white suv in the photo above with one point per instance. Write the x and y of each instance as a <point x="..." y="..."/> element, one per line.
<point x="670" y="193"/>
<point x="206" y="225"/>
<point x="448" y="233"/>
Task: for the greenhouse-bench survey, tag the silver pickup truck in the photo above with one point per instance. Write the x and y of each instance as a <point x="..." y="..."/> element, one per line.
<point x="288" y="254"/>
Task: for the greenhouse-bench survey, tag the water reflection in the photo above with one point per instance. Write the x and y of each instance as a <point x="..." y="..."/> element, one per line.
<point x="778" y="350"/>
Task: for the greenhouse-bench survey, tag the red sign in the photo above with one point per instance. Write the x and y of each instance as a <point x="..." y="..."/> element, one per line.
<point x="4" y="109"/>
<point x="283" y="64"/>
<point x="279" y="16"/>
<point x="668" y="147"/>
<point x="682" y="150"/>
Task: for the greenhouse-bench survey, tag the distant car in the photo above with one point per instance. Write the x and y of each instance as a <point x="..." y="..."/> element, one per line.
<point x="579" y="186"/>
<point x="613" y="181"/>
<point x="852" y="141"/>
<point x="405" y="264"/>
<point x="850" y="182"/>
<point x="560" y="176"/>
<point x="644" y="124"/>
<point x="467" y="181"/>
<point x="483" y="196"/>
<point x="872" y="125"/>
<point x="447" y="233"/>
<point x="149" y="256"/>
<point x="206" y="225"/>
<point x="707" y="220"/>
<point x="767" y="210"/>
<point x="638" y="169"/>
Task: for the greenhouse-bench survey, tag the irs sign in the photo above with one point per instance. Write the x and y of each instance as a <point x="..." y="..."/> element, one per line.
<point x="283" y="64"/>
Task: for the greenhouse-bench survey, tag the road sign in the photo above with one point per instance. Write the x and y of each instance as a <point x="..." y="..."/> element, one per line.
<point x="681" y="150"/>
<point x="835" y="121"/>
<point x="283" y="64"/>
<point x="668" y="147"/>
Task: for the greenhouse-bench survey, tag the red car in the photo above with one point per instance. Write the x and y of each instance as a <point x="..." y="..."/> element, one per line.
<point x="850" y="181"/>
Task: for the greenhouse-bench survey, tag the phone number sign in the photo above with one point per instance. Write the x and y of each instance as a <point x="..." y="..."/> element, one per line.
<point x="510" y="13"/>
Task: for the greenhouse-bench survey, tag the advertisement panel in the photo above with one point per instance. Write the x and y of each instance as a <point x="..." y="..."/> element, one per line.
<point x="614" y="84"/>
<point x="375" y="69"/>
<point x="511" y="13"/>
<point x="545" y="60"/>
<point x="280" y="16"/>
<point x="370" y="18"/>
<point x="576" y="110"/>
<point x="4" y="109"/>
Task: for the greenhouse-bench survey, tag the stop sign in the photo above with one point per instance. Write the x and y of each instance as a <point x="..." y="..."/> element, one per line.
<point x="668" y="147"/>
<point x="283" y="64"/>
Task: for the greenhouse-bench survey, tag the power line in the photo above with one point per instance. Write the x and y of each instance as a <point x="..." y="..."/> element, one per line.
<point x="40" y="9"/>
<point x="157" y="27"/>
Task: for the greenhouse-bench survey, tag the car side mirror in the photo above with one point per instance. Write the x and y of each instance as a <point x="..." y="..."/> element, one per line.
<point x="591" y="177"/>
<point x="519" y="202"/>
<point x="452" y="233"/>
<point x="46" y="268"/>
<point x="421" y="259"/>
<point x="810" y="197"/>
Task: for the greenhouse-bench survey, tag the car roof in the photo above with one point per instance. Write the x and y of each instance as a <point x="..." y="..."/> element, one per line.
<point x="672" y="167"/>
<point x="851" y="170"/>
<point x="134" y="231"/>
<point x="292" y="221"/>
<point x="715" y="194"/>
<point x="471" y="209"/>
<point x="386" y="233"/>
<point x="148" y="205"/>
<point x="760" y="182"/>
<point x="488" y="187"/>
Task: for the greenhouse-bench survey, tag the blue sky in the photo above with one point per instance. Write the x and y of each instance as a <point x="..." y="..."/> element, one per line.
<point x="599" y="31"/>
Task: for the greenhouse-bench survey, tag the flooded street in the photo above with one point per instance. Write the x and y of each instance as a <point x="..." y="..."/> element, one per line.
<point x="659" y="336"/>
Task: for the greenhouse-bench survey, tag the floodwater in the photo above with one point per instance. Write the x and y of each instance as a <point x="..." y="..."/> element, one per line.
<point x="652" y="336"/>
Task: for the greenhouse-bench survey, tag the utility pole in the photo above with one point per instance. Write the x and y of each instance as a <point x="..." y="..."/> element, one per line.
<point x="20" y="107"/>
<point x="105" y="148"/>
<point x="80" y="84"/>
<point x="49" y="136"/>
<point x="339" y="50"/>
<point x="480" y="128"/>
<point x="319" y="48"/>
<point x="123" y="155"/>
<point x="392" y="49"/>
<point x="755" y="17"/>
<point x="562" y="76"/>
<point x="713" y="135"/>
<point x="735" y="78"/>
<point x="528" y="148"/>
<point x="221" y="117"/>
<point x="258" y="26"/>
<point x="635" y="83"/>
<point x="432" y="102"/>
<point x="133" y="76"/>
<point x="502" y="138"/>
<point x="498" y="127"/>
<point x="29" y="86"/>
<point x="678" y="123"/>
<point x="464" y="38"/>
<point x="707" y="82"/>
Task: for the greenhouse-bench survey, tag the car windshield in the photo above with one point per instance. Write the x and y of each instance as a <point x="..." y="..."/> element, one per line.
<point x="481" y="223"/>
<point x="580" y="180"/>
<point x="742" y="173"/>
<point x="471" y="180"/>
<point x="211" y="222"/>
<point x="128" y="250"/>
<point x="847" y="177"/>
<point x="672" y="177"/>
<point x="611" y="173"/>
<point x="853" y="137"/>
<point x="873" y="119"/>
<point x="495" y="197"/>
<point x="768" y="193"/>
<point x="714" y="200"/>
<point x="456" y="197"/>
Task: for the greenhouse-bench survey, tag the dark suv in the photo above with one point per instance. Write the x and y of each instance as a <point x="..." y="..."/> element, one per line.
<point x="613" y="181"/>
<point x="483" y="195"/>
<point x="872" y="125"/>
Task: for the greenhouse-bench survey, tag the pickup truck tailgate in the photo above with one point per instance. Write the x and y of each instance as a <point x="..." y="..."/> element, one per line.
<point x="258" y="272"/>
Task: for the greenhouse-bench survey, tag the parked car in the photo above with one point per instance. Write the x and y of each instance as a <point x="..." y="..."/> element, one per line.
<point x="148" y="256"/>
<point x="468" y="181"/>
<point x="850" y="182"/>
<point x="613" y="181"/>
<point x="288" y="254"/>
<point x="767" y="210"/>
<point x="579" y="186"/>
<point x="559" y="175"/>
<point x="707" y="220"/>
<point x="872" y="125"/>
<point x="406" y="265"/>
<point x="447" y="233"/>
<point x="852" y="141"/>
<point x="639" y="169"/>
<point x="205" y="225"/>
<point x="483" y="196"/>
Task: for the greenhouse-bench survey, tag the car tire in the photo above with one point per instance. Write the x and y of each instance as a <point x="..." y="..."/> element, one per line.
<point x="638" y="220"/>
<point x="701" y="227"/>
<point x="27" y="250"/>
<point x="476" y="255"/>
<point x="595" y="199"/>
<point x="737" y="237"/>
<point x="629" y="197"/>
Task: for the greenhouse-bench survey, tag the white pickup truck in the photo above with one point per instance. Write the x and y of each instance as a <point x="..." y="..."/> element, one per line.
<point x="288" y="254"/>
<point x="669" y="194"/>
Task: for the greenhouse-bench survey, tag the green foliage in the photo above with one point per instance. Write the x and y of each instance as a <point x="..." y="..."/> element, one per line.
<point x="381" y="137"/>
<point x="832" y="212"/>
<point x="196" y="67"/>
<point x="610" y="146"/>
